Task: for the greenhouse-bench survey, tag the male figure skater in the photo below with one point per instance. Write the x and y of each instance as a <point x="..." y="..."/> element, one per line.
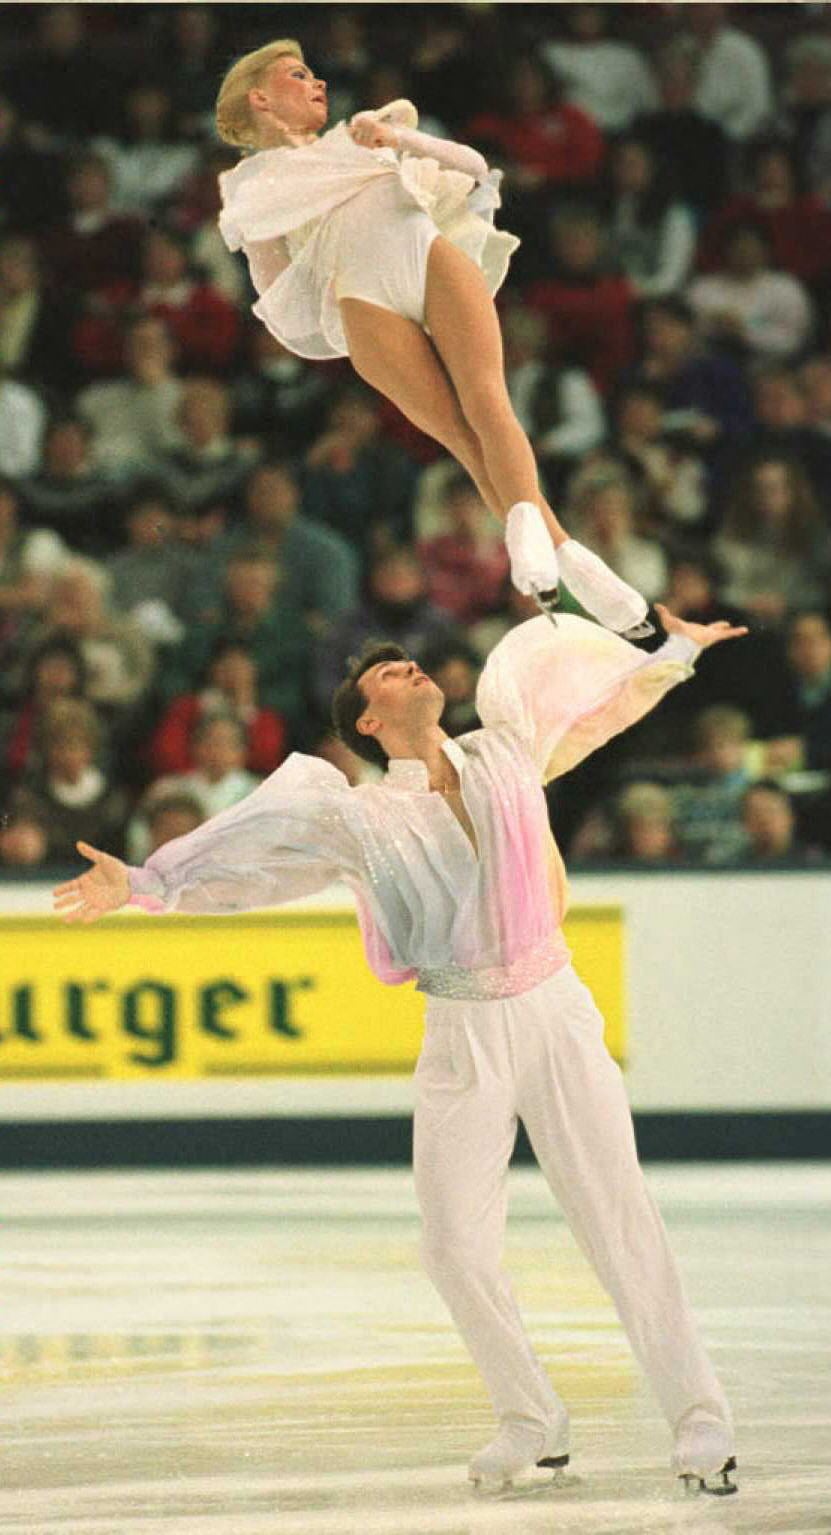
<point x="459" y="885"/>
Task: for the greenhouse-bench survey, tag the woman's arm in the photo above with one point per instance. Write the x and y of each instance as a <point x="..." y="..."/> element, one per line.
<point x="366" y="129"/>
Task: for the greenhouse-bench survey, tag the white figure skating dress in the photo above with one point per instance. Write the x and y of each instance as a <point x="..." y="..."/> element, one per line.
<point x="332" y="220"/>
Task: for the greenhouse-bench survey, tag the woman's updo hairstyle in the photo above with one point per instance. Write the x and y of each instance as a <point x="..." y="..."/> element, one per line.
<point x="235" y="121"/>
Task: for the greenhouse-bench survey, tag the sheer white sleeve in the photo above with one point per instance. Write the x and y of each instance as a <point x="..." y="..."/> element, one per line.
<point x="566" y="691"/>
<point x="287" y="839"/>
<point x="266" y="260"/>
<point x="454" y="157"/>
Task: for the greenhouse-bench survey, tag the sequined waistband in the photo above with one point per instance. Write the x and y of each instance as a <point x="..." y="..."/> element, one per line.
<point x="488" y="985"/>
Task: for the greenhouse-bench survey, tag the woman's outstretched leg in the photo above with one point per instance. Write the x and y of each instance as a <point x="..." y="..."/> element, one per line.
<point x="395" y="357"/>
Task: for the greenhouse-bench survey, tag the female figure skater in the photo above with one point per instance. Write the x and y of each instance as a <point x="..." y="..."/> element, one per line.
<point x="376" y="242"/>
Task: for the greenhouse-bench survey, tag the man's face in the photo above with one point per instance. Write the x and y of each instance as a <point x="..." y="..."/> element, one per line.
<point x="809" y="647"/>
<point x="399" y="695"/>
<point x="768" y="821"/>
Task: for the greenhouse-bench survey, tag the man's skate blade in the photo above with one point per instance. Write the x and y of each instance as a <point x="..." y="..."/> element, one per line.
<point x="539" y="1487"/>
<point x="695" y="1486"/>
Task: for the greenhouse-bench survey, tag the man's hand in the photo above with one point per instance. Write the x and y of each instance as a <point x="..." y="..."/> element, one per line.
<point x="703" y="635"/>
<point x="105" y="887"/>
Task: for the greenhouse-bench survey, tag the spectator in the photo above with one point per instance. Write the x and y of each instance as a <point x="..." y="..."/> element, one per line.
<point x="34" y="325"/>
<point x="733" y="75"/>
<point x="707" y="800"/>
<point x="456" y="667"/>
<point x="746" y="307"/>
<point x="194" y="61"/>
<point x="751" y="677"/>
<point x="671" y="473"/>
<point x="451" y="49"/>
<point x="805" y="722"/>
<point x="607" y="79"/>
<point x="70" y="797"/>
<point x="202" y="322"/>
<point x="170" y="816"/>
<point x="774" y="547"/>
<point x="92" y="246"/>
<point x="231" y="685"/>
<point x="653" y="234"/>
<point x="56" y="670"/>
<point x="318" y="567"/>
<point x="258" y="610"/>
<point x="22" y="419"/>
<point x="769" y="823"/>
<point x="118" y="658"/>
<point x="694" y="145"/>
<point x="23" y="843"/>
<point x="196" y="212"/>
<point x="217" y="781"/>
<point x="70" y="494"/>
<point x="152" y="580"/>
<point x="603" y="518"/>
<point x="466" y="566"/>
<point x="589" y="310"/>
<point x="278" y="396"/>
<point x="558" y="407"/>
<point x="29" y="559"/>
<point x="30" y="175"/>
<point x="60" y="84"/>
<point x="147" y="162"/>
<point x="133" y="418"/>
<point x="207" y="469"/>
<point x="797" y="226"/>
<point x="355" y="482"/>
<point x="805" y="117"/>
<point x="395" y="607"/>
<point x="781" y="429"/>
<point x="544" y="144"/>
<point x="705" y="394"/>
<point x="343" y="61"/>
<point x="542" y="140"/>
<point x="638" y="828"/>
<point x="815" y="378"/>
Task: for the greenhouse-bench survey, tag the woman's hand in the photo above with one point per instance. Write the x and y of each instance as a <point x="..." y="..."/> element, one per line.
<point x="703" y="635"/>
<point x="105" y="887"/>
<point x="367" y="131"/>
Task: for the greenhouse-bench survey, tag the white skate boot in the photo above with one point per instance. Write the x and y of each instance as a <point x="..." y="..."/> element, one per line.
<point x="614" y="603"/>
<point x="534" y="568"/>
<point x="704" y="1450"/>
<point x="519" y="1445"/>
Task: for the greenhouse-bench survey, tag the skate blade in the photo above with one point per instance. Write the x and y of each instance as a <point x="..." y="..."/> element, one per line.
<point x="547" y="602"/>
<point x="695" y="1486"/>
<point x="493" y="1491"/>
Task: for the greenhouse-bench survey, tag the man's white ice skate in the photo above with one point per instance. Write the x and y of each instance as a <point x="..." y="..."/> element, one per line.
<point x="518" y="1447"/>
<point x="534" y="568"/>
<point x="703" y="1458"/>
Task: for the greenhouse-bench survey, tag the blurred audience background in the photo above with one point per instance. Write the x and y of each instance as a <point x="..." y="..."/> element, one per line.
<point x="197" y="529"/>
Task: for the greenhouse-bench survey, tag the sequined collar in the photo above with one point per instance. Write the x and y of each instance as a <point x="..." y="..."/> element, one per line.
<point x="411" y="772"/>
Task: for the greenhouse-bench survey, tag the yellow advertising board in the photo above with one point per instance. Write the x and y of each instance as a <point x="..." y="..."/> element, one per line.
<point x="268" y="994"/>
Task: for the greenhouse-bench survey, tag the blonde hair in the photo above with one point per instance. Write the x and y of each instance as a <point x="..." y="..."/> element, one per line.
<point x="235" y="122"/>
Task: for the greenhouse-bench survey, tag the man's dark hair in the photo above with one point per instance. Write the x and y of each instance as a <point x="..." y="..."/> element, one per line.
<point x="349" y="701"/>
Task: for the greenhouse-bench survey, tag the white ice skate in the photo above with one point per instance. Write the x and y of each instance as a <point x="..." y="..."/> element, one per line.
<point x="519" y="1445"/>
<point x="614" y="603"/>
<point x="534" y="568"/>
<point x="703" y="1456"/>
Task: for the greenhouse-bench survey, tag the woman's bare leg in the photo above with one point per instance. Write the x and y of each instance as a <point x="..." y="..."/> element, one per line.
<point x="395" y="357"/>
<point x="464" y="327"/>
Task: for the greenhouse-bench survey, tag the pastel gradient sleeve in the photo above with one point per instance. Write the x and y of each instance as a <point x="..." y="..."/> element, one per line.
<point x="567" y="690"/>
<point x="288" y="838"/>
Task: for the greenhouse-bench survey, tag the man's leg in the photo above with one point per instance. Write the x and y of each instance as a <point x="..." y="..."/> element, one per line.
<point x="573" y="1103"/>
<point x="464" y="1132"/>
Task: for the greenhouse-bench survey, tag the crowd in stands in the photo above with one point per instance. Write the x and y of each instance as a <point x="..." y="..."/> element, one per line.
<point x="197" y="529"/>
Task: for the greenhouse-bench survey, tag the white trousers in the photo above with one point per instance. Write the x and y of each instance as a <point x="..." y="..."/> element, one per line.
<point x="541" y="1057"/>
